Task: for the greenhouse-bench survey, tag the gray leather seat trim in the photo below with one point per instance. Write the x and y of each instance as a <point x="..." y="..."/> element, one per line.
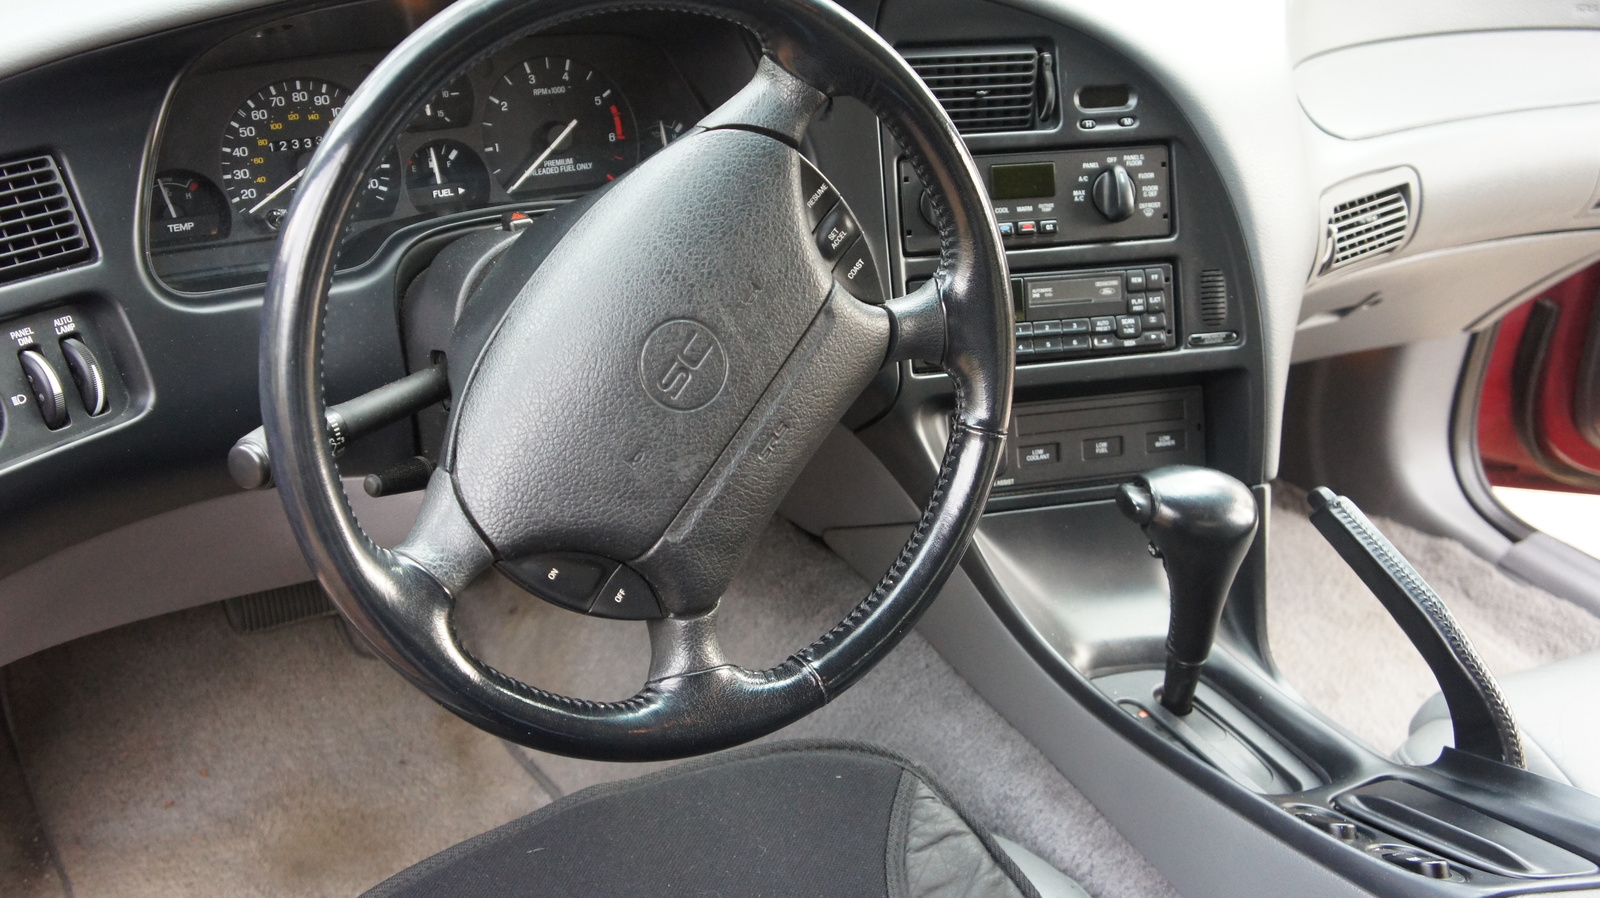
<point x="1555" y="709"/>
<point x="1046" y="880"/>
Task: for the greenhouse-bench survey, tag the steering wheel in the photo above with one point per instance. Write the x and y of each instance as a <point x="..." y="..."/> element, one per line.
<point x="634" y="424"/>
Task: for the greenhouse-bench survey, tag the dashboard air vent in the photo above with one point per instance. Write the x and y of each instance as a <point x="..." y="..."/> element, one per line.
<point x="1367" y="225"/>
<point x="1213" y="297"/>
<point x="39" y="226"/>
<point x="986" y="89"/>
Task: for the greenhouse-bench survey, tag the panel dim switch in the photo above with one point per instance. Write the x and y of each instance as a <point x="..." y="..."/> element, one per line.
<point x="47" y="389"/>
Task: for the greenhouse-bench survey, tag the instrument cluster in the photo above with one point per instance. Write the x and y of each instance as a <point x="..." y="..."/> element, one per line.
<point x="542" y="120"/>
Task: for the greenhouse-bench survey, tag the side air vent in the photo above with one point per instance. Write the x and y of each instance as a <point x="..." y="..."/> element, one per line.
<point x="1213" y="297"/>
<point x="985" y="89"/>
<point x="39" y="227"/>
<point x="1368" y="217"/>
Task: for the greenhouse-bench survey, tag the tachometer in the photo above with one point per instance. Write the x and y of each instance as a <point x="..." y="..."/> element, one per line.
<point x="268" y="142"/>
<point x="554" y="123"/>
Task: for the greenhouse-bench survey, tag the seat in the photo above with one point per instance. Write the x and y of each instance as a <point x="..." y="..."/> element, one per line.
<point x="1554" y="707"/>
<point x="796" y="819"/>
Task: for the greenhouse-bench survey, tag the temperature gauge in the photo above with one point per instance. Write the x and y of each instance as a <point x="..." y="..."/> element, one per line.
<point x="186" y="207"/>
<point x="658" y="135"/>
<point x="445" y="175"/>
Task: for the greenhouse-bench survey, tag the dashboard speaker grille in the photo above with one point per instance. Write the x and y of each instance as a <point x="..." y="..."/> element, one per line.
<point x="39" y="226"/>
<point x="1213" y="297"/>
<point x="985" y="89"/>
<point x="1367" y="225"/>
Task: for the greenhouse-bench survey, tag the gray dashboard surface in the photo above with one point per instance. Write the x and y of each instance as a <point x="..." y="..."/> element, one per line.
<point x="39" y="33"/>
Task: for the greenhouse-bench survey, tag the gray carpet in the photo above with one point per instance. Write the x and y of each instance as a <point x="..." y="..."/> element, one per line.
<point x="175" y="758"/>
<point x="1335" y="643"/>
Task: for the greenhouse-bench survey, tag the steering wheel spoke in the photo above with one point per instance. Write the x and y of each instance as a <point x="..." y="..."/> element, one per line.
<point x="443" y="541"/>
<point x="775" y="101"/>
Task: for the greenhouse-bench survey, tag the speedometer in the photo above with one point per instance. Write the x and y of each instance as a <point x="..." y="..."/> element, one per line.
<point x="554" y="123"/>
<point x="268" y="142"/>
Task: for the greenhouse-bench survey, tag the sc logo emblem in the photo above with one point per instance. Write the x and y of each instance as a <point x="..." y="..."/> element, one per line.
<point x="683" y="366"/>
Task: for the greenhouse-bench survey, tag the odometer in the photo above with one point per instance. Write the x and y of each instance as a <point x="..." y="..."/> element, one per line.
<point x="268" y="142"/>
<point x="551" y="123"/>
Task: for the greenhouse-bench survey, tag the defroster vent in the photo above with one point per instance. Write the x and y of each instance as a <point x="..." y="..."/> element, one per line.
<point x="39" y="227"/>
<point x="986" y="89"/>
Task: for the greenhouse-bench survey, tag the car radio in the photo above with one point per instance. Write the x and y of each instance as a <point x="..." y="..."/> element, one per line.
<point x="1055" y="198"/>
<point x="1101" y="312"/>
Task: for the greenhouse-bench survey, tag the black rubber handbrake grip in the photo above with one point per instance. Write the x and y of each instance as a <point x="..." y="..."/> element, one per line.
<point x="251" y="465"/>
<point x="1200" y="523"/>
<point x="1483" y="722"/>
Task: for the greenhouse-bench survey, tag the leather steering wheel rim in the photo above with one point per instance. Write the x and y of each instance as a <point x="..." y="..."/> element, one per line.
<point x="694" y="701"/>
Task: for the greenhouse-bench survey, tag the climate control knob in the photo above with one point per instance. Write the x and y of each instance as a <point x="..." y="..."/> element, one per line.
<point x="1113" y="194"/>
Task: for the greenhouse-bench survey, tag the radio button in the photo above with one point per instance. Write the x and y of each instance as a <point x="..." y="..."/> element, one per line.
<point x="1128" y="327"/>
<point x="1047" y="344"/>
<point x="1075" y="343"/>
<point x="1103" y="342"/>
<point x="1153" y="338"/>
<point x="1025" y="346"/>
<point x="1024" y="328"/>
<point x="1106" y="325"/>
<point x="1135" y="281"/>
<point x="1076" y="326"/>
<point x="1155" y="279"/>
<point x="818" y="195"/>
<point x="836" y="232"/>
<point x="1154" y="321"/>
<point x="1155" y="302"/>
<point x="1136" y="303"/>
<point x="1046" y="328"/>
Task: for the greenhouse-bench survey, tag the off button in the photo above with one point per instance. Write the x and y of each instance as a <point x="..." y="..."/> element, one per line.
<point x="626" y="596"/>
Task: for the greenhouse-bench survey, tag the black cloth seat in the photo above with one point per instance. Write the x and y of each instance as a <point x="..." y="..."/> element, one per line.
<point x="791" y="819"/>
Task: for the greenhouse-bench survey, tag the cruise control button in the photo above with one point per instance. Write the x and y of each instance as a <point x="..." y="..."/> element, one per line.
<point x="857" y="273"/>
<point x="48" y="393"/>
<point x="819" y="195"/>
<point x="1128" y="327"/>
<point x="626" y="596"/>
<point x="1105" y="325"/>
<point x="568" y="579"/>
<point x="836" y="232"/>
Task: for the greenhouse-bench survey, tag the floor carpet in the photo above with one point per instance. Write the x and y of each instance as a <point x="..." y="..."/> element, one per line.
<point x="176" y="758"/>
<point x="1338" y="646"/>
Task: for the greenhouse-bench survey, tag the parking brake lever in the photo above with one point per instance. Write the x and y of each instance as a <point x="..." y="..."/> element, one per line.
<point x="1483" y="722"/>
<point x="1200" y="522"/>
<point x="251" y="466"/>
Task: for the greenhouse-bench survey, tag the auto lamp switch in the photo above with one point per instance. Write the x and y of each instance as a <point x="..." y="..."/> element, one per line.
<point x="48" y="393"/>
<point x="87" y="374"/>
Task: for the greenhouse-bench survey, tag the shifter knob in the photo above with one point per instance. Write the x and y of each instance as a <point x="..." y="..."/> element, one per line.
<point x="1200" y="522"/>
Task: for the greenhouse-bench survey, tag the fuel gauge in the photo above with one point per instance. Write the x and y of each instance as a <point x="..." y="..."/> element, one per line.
<point x="186" y="207"/>
<point x="658" y="135"/>
<point x="446" y="176"/>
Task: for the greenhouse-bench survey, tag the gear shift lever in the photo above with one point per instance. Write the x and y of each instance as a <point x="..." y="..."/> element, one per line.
<point x="1200" y="523"/>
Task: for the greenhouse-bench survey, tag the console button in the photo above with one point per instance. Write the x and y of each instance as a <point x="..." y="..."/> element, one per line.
<point x="1105" y="325"/>
<point x="1220" y="338"/>
<point x="1102" y="447"/>
<point x="1007" y="229"/>
<point x="857" y="273"/>
<point x="1135" y="280"/>
<point x="1136" y="304"/>
<point x="1046" y="328"/>
<point x="1128" y="327"/>
<point x="1102" y="342"/>
<point x="836" y="232"/>
<point x="1075" y="326"/>
<point x="1163" y="441"/>
<point x="1048" y="226"/>
<point x="1075" y="343"/>
<point x="1047" y="344"/>
<point x="568" y="579"/>
<point x="1155" y="279"/>
<point x="1024" y="328"/>
<point x="1155" y="301"/>
<point x="1154" y="321"/>
<point x="1044" y="454"/>
<point x="1025" y="347"/>
<point x="1027" y="228"/>
<point x="47" y="390"/>
<point x="87" y="374"/>
<point x="819" y="195"/>
<point x="626" y="596"/>
<point x="1152" y="338"/>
